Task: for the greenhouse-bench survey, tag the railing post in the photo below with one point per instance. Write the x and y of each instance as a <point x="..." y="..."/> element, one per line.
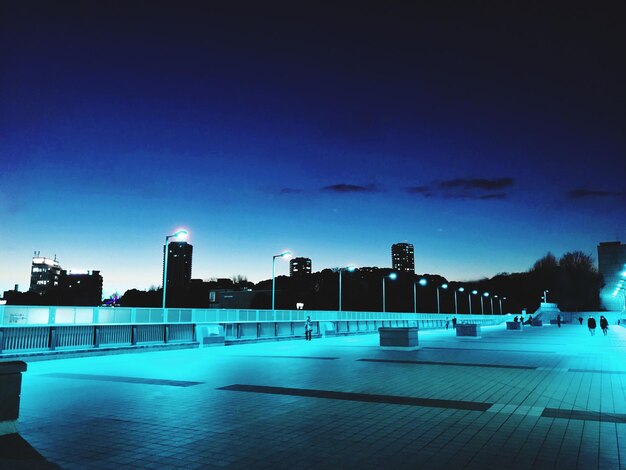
<point x="1" y="339"/>
<point x="133" y="335"/>
<point x="96" y="336"/>
<point x="166" y="333"/>
<point x="52" y="338"/>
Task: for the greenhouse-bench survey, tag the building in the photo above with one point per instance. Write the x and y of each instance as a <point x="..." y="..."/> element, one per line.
<point x="402" y="257"/>
<point x="611" y="264"/>
<point x="179" y="255"/>
<point x="80" y="289"/>
<point x="44" y="274"/>
<point x="299" y="267"/>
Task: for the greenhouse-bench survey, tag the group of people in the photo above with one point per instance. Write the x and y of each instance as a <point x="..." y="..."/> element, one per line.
<point x="591" y="324"/>
<point x="529" y="321"/>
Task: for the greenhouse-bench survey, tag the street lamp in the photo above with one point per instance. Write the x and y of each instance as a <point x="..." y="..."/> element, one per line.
<point x="501" y="299"/>
<point x="545" y="296"/>
<point x="391" y="276"/>
<point x="443" y="286"/>
<point x="469" y="299"/>
<point x="491" y="298"/>
<point x="422" y="282"/>
<point x="280" y="255"/>
<point x="340" y="270"/>
<point x="482" y="306"/>
<point x="180" y="235"/>
<point x="456" y="308"/>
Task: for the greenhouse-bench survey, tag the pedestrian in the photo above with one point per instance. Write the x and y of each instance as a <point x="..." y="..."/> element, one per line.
<point x="453" y="322"/>
<point x="580" y="320"/>
<point x="591" y="324"/>
<point x="604" y="324"/>
<point x="558" y="320"/>
<point x="447" y="323"/>
<point x="515" y="319"/>
<point x="308" y="329"/>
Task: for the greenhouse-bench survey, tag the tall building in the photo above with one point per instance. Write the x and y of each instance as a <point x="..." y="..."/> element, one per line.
<point x="402" y="257"/>
<point x="611" y="264"/>
<point x="44" y="274"/>
<point x="299" y="267"/>
<point x="80" y="288"/>
<point x="178" y="270"/>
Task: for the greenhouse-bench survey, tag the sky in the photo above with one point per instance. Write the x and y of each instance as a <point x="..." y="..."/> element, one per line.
<point x="485" y="133"/>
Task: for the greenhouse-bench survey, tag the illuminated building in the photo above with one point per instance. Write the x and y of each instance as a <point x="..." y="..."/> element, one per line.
<point x="44" y="274"/>
<point x="299" y="267"/>
<point x="611" y="264"/>
<point x="80" y="289"/>
<point x="178" y="277"/>
<point x="402" y="257"/>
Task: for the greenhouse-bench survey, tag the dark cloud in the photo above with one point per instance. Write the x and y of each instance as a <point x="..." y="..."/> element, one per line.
<point x="476" y="183"/>
<point x="290" y="191"/>
<point x="582" y="193"/>
<point x="483" y="197"/>
<point x="350" y="188"/>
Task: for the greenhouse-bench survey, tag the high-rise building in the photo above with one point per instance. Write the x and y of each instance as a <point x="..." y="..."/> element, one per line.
<point x="402" y="257"/>
<point x="299" y="267"/>
<point x="178" y="269"/>
<point x="44" y="274"/>
<point x="611" y="264"/>
<point x="83" y="288"/>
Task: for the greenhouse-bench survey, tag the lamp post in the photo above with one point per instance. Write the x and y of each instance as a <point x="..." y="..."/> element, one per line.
<point x="443" y="286"/>
<point x="545" y="296"/>
<point x="391" y="276"/>
<point x="469" y="299"/>
<point x="340" y="270"/>
<point x="456" y="307"/>
<point x="280" y="255"/>
<point x="179" y="235"/>
<point x="501" y="299"/>
<point x="422" y="282"/>
<point x="482" y="305"/>
<point x="491" y="299"/>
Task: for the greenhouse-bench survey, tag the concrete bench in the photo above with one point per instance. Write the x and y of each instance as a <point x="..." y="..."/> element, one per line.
<point x="537" y="323"/>
<point x="210" y="335"/>
<point x="10" y="390"/>
<point x="514" y="325"/>
<point x="468" y="330"/>
<point x="399" y="339"/>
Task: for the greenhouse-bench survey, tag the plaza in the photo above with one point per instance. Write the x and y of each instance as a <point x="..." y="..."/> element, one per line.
<point x="544" y="397"/>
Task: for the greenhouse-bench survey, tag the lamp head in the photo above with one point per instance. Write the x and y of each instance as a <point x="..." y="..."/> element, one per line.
<point x="284" y="254"/>
<point x="350" y="268"/>
<point x="392" y="276"/>
<point x="444" y="286"/>
<point x="180" y="235"/>
<point x="486" y="294"/>
<point x="461" y="289"/>
<point x="474" y="292"/>
<point x="423" y="282"/>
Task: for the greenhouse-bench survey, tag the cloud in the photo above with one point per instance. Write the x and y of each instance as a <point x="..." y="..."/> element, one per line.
<point x="582" y="193"/>
<point x="290" y="191"/>
<point x="476" y="183"/>
<point x="350" y="188"/>
<point x="465" y="188"/>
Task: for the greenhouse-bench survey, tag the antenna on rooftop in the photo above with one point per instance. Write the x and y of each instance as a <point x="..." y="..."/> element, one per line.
<point x="36" y="254"/>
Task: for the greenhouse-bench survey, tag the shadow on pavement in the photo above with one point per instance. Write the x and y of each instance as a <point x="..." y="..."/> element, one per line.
<point x="17" y="453"/>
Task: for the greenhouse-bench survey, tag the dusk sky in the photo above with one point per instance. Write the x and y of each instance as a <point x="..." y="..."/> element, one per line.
<point x="485" y="134"/>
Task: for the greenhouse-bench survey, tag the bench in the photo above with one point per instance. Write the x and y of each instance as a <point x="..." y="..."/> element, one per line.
<point x="514" y="325"/>
<point x="399" y="338"/>
<point x="469" y="330"/>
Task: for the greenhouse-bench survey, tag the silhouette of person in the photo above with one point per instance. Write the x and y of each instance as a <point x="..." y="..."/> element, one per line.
<point x="558" y="320"/>
<point x="453" y="322"/>
<point x="308" y="329"/>
<point x="515" y="319"/>
<point x="591" y="324"/>
<point x="447" y="324"/>
<point x="604" y="324"/>
<point x="580" y="320"/>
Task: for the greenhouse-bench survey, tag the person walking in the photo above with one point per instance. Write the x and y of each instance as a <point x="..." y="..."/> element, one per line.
<point x="580" y="319"/>
<point x="604" y="324"/>
<point x="447" y="324"/>
<point x="591" y="324"/>
<point x="453" y="322"/>
<point x="308" y="329"/>
<point x="558" y="320"/>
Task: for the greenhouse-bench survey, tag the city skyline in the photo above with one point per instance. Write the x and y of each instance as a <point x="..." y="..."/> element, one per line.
<point x="485" y="137"/>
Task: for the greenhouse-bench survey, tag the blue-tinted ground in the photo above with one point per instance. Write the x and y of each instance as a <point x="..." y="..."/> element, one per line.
<point x="541" y="398"/>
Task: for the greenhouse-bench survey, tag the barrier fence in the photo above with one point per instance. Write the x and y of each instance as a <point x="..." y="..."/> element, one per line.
<point x="42" y="328"/>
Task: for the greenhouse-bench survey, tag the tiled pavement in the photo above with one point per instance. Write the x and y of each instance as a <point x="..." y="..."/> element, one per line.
<point x="541" y="398"/>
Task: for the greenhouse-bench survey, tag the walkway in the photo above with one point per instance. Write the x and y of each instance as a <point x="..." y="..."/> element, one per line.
<point x="541" y="398"/>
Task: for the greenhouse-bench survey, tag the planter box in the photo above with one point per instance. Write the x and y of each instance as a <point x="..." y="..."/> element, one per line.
<point x="401" y="339"/>
<point x="469" y="330"/>
<point x="537" y="323"/>
<point x="514" y="325"/>
<point x="10" y="390"/>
